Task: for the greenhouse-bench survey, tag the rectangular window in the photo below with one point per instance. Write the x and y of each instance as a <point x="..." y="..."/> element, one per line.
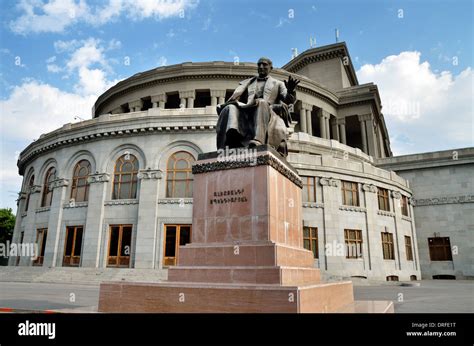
<point x="350" y="193"/>
<point x="387" y="246"/>
<point x="310" y="240"/>
<point x="353" y="240"/>
<point x="408" y="248"/>
<point x="440" y="249"/>
<point x="404" y="205"/>
<point x="175" y="236"/>
<point x="309" y="189"/>
<point x="41" y="235"/>
<point x="383" y="199"/>
<point x="73" y="246"/>
<point x="120" y="241"/>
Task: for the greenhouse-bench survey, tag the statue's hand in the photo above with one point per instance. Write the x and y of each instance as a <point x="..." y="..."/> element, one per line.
<point x="291" y="84"/>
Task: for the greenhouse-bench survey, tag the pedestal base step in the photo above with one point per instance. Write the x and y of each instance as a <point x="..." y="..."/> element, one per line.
<point x="285" y="276"/>
<point x="179" y="297"/>
<point x="369" y="306"/>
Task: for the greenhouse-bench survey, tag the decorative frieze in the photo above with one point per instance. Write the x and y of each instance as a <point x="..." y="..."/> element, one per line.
<point x="353" y="208"/>
<point x="98" y="178"/>
<point x="43" y="209"/>
<point x="369" y="188"/>
<point x="385" y="213"/>
<point x="313" y="205"/>
<point x="121" y="202"/>
<point x="60" y="182"/>
<point x="35" y="189"/>
<point x="180" y="201"/>
<point x="444" y="200"/>
<point x="73" y="204"/>
<point x="396" y="194"/>
<point x="329" y="182"/>
<point x="149" y="174"/>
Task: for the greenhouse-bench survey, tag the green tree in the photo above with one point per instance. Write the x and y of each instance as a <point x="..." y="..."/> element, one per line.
<point x="7" y="224"/>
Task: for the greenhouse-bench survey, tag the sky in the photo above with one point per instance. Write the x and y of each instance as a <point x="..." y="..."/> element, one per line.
<point x="58" y="56"/>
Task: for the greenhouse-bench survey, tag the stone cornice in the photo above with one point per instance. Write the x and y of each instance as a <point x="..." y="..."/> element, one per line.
<point x="115" y="126"/>
<point x="444" y="200"/>
<point x="265" y="159"/>
<point x="98" y="178"/>
<point x="149" y="174"/>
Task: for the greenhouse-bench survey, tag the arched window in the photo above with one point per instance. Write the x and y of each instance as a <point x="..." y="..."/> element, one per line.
<point x="80" y="186"/>
<point x="179" y="179"/>
<point x="47" y="191"/>
<point x="28" y="192"/>
<point x="125" y="177"/>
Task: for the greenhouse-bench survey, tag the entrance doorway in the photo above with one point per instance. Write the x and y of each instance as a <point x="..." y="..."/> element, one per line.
<point x="72" y="246"/>
<point x="175" y="236"/>
<point x="120" y="241"/>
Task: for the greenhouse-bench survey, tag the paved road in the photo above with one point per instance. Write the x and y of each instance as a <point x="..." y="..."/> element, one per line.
<point x="432" y="296"/>
<point x="48" y="296"/>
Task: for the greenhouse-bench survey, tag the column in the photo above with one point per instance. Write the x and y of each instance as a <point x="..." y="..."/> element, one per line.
<point x="52" y="253"/>
<point x="309" y="120"/>
<point x="217" y="97"/>
<point x="326" y="121"/>
<point x="363" y="133"/>
<point x="159" y="100"/>
<point x="342" y="130"/>
<point x="372" y="234"/>
<point x="20" y="203"/>
<point x="303" y="127"/>
<point x="331" y="231"/>
<point x="30" y="221"/>
<point x="94" y="228"/>
<point x="371" y="139"/>
<point x="135" y="106"/>
<point x="399" y="236"/>
<point x="322" y="123"/>
<point x="335" y="128"/>
<point x="187" y="98"/>
<point x="147" y="230"/>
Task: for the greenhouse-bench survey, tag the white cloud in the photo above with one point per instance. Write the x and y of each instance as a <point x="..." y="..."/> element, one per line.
<point x="424" y="110"/>
<point x="56" y="15"/>
<point x="89" y="53"/>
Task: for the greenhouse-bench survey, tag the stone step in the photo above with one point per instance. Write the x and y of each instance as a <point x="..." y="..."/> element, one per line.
<point x="217" y="298"/>
<point x="79" y="275"/>
<point x="246" y="254"/>
<point x="285" y="276"/>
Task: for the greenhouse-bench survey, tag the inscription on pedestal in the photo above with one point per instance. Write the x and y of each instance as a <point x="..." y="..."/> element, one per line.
<point x="228" y="196"/>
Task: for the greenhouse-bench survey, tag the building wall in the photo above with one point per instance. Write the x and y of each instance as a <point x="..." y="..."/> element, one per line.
<point x="327" y="160"/>
<point x="443" y="188"/>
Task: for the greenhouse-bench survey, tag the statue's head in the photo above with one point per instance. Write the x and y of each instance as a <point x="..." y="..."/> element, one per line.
<point x="265" y="65"/>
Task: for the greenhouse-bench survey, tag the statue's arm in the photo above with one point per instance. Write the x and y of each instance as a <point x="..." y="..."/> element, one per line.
<point x="286" y="96"/>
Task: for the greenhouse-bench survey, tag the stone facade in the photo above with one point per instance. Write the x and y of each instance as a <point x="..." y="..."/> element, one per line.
<point x="337" y="133"/>
<point x="443" y="188"/>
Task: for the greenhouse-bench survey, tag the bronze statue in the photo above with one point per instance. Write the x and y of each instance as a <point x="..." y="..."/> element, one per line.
<point x="257" y="112"/>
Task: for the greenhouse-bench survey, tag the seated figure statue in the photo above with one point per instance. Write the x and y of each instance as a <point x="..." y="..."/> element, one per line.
<point x="257" y="112"/>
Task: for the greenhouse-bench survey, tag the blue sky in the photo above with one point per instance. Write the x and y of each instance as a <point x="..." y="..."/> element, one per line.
<point x="58" y="56"/>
